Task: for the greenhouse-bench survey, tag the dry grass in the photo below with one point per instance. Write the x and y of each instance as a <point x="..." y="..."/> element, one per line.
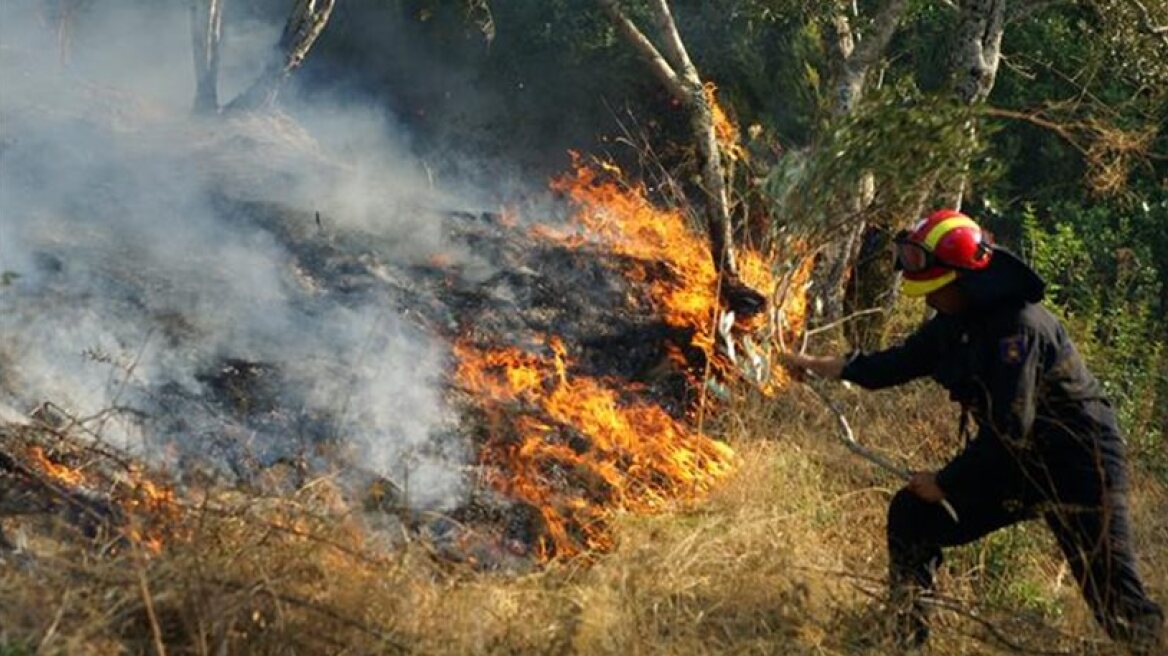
<point x="786" y="557"/>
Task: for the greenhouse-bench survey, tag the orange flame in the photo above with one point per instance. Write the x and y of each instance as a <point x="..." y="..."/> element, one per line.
<point x="625" y="221"/>
<point x="152" y="508"/>
<point x="578" y="449"/>
<point x="605" y="453"/>
<point x="623" y="218"/>
<point x="725" y="131"/>
<point x="63" y="474"/>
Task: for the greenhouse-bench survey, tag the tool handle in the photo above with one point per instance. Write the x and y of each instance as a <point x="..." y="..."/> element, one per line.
<point x="950" y="509"/>
<point x="848" y="437"/>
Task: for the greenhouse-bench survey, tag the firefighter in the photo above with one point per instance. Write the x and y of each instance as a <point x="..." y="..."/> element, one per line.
<point x="1046" y="445"/>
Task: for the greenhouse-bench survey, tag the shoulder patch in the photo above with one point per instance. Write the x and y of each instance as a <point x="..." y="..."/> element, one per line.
<point x="1012" y="349"/>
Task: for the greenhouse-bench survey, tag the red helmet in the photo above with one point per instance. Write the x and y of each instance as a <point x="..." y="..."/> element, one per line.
<point x="936" y="248"/>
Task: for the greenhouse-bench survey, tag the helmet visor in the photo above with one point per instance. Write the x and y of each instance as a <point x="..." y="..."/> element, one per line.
<point x="912" y="257"/>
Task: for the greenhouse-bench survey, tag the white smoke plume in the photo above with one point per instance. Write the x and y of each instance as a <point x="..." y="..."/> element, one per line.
<point x="135" y="258"/>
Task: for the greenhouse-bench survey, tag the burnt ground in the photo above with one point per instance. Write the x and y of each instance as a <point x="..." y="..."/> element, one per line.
<point x="499" y="287"/>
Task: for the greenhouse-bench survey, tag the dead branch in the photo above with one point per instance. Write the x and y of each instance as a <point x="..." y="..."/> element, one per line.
<point x="672" y="40"/>
<point x="206" y="32"/>
<point x="305" y="24"/>
<point x="313" y="607"/>
<point x="148" y="604"/>
<point x="275" y="527"/>
<point x="997" y="632"/>
<point x="59" y="496"/>
<point x="1108" y="151"/>
<point x="842" y="320"/>
<point x="653" y="57"/>
<point x="1035" y="119"/>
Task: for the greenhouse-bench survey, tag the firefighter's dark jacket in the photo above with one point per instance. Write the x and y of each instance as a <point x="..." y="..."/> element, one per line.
<point x="1044" y="427"/>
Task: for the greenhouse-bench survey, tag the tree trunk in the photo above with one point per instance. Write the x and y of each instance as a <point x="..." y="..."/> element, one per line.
<point x="677" y="72"/>
<point x="975" y="65"/>
<point x="305" y="24"/>
<point x="871" y="289"/>
<point x="206" y="31"/>
<point x="979" y="41"/>
<point x="717" y="202"/>
<point x="851" y="64"/>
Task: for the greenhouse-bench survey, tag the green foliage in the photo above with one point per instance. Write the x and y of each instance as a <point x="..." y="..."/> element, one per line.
<point x="1094" y="78"/>
<point x="762" y="54"/>
<point x="1105" y="280"/>
<point x="919" y="48"/>
<point x="997" y="567"/>
<point x="905" y="137"/>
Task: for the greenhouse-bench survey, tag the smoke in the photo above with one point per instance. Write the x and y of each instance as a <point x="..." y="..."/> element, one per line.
<point x="165" y="277"/>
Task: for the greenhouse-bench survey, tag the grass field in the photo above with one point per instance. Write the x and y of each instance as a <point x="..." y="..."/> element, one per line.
<point x="785" y="557"/>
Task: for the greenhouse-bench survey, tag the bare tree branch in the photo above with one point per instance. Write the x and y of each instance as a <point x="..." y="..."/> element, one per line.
<point x="304" y="26"/>
<point x="657" y="63"/>
<point x="206" y="33"/>
<point x="1035" y="119"/>
<point x="674" y="48"/>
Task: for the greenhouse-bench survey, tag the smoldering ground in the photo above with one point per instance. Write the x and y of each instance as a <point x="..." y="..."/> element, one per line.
<point x="205" y="288"/>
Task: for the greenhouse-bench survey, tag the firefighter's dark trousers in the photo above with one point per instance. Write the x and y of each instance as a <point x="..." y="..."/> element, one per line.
<point x="1095" y="540"/>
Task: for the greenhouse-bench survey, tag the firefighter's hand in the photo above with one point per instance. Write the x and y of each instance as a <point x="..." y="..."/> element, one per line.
<point x="924" y="485"/>
<point x="793" y="363"/>
<point x="822" y="366"/>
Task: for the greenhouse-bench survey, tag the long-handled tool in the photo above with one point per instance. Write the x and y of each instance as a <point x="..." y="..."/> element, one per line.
<point x="755" y="367"/>
<point x="848" y="437"/>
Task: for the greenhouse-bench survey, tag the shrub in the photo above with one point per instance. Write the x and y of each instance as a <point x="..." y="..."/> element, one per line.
<point x="1104" y="282"/>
